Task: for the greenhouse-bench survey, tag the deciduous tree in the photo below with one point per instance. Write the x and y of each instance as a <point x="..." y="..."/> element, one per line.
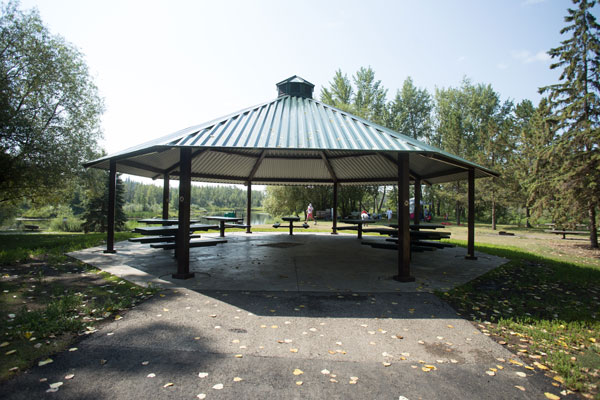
<point x="49" y="108"/>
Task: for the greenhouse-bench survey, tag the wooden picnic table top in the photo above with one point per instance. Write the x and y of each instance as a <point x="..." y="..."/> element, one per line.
<point x="419" y="226"/>
<point x="161" y="221"/>
<point x="291" y="219"/>
<point x="225" y="219"/>
<point x="358" y="221"/>
<point x="171" y="230"/>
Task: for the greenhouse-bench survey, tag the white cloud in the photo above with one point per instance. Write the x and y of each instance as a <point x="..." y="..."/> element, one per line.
<point x="461" y="59"/>
<point x="527" y="57"/>
<point x="502" y="66"/>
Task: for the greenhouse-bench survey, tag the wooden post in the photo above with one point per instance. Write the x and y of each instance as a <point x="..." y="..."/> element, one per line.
<point x="417" y="220"/>
<point x="183" y="233"/>
<point x="403" y="221"/>
<point x="112" y="198"/>
<point x="471" y="217"/>
<point x="335" y="199"/>
<point x="165" y="211"/>
<point x="249" y="208"/>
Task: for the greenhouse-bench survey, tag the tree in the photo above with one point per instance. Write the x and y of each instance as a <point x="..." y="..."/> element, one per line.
<point x="49" y="108"/>
<point x="575" y="102"/>
<point x="410" y="111"/>
<point x="340" y="92"/>
<point x="473" y="123"/>
<point x="96" y="204"/>
<point x="370" y="96"/>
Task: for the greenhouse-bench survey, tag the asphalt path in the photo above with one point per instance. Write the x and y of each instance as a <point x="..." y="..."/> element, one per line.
<point x="184" y="344"/>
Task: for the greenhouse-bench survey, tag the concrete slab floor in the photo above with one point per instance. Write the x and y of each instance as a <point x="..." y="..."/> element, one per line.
<point x="274" y="261"/>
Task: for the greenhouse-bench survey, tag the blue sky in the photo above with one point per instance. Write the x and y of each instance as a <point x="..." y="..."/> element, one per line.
<point x="163" y="66"/>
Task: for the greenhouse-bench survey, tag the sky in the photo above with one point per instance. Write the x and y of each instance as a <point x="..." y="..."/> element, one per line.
<point x="161" y="66"/>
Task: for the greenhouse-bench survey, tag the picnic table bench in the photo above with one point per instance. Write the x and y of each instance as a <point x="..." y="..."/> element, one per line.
<point x="158" y="239"/>
<point x="393" y="246"/>
<point x="193" y="243"/>
<point x="32" y="227"/>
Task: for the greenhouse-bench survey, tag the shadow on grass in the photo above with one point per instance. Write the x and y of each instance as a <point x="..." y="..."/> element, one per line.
<point x="544" y="310"/>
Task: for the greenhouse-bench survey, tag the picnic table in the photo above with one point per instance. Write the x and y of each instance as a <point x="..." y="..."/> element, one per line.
<point x="168" y="236"/>
<point x="423" y="237"/>
<point x="223" y="223"/>
<point x="291" y="220"/>
<point x="359" y="225"/>
<point x="558" y="230"/>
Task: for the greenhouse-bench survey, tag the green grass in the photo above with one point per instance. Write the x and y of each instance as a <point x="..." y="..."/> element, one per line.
<point x="48" y="301"/>
<point x="547" y="311"/>
<point x="21" y="247"/>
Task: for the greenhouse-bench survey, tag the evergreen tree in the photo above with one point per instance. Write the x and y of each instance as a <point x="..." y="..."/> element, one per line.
<point x="575" y="103"/>
<point x="96" y="205"/>
<point x="340" y="92"/>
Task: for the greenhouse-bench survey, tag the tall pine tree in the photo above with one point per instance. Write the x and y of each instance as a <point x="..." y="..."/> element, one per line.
<point x="575" y="102"/>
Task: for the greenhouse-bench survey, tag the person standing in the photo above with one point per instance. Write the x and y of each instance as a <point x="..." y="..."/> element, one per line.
<point x="389" y="215"/>
<point x="309" y="213"/>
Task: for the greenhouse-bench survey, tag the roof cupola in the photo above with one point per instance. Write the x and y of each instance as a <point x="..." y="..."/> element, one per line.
<point x="295" y="86"/>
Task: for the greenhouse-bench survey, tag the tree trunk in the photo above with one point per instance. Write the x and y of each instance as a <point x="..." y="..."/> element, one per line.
<point x="382" y="200"/>
<point x="527" y="214"/>
<point x="593" y="228"/>
<point x="493" y="212"/>
<point x="439" y="203"/>
<point x="458" y="211"/>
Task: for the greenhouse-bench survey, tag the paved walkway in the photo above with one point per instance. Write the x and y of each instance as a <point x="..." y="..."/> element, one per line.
<point x="333" y="342"/>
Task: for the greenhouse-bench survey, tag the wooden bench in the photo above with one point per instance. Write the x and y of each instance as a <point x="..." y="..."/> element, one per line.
<point x="158" y="239"/>
<point x="427" y="243"/>
<point x="392" y="246"/>
<point x="31" y="227"/>
<point x="564" y="233"/>
<point x="193" y="243"/>
<point x="347" y="228"/>
<point x="241" y="226"/>
<point x="381" y="231"/>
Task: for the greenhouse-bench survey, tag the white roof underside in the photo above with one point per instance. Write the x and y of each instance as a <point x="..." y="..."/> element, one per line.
<point x="291" y="140"/>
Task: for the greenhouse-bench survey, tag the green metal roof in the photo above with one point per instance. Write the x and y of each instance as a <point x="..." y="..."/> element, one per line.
<point x="291" y="140"/>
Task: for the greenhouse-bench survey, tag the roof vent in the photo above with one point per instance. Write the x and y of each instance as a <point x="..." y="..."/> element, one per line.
<point x="295" y="86"/>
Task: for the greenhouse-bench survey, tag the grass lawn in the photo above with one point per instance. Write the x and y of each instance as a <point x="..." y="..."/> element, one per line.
<point x="49" y="301"/>
<point x="546" y="311"/>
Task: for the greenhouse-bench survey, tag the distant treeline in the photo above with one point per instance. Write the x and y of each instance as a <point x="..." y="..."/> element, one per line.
<point x="141" y="197"/>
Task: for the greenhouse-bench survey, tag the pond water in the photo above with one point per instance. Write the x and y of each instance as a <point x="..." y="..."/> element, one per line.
<point x="257" y="218"/>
